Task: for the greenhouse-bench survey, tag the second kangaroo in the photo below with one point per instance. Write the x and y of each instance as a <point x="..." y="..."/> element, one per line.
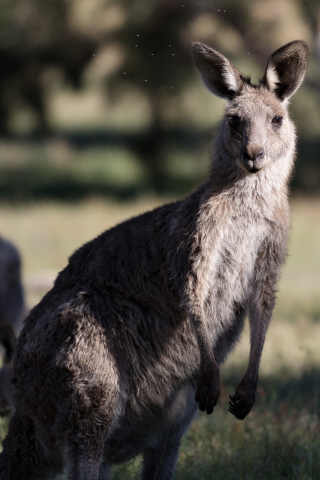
<point x="115" y="358"/>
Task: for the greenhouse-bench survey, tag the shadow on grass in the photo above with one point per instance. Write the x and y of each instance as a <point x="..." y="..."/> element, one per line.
<point x="280" y="439"/>
<point x="282" y="386"/>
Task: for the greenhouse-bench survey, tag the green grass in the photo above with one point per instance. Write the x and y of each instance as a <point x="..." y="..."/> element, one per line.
<point x="280" y="439"/>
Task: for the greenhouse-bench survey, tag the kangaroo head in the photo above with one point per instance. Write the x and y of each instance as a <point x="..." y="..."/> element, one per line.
<point x="257" y="130"/>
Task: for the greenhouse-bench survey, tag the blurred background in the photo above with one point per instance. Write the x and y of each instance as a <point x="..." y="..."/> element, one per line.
<point x="101" y="97"/>
<point x="103" y="116"/>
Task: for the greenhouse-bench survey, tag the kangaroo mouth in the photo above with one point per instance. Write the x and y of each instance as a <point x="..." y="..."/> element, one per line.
<point x="252" y="166"/>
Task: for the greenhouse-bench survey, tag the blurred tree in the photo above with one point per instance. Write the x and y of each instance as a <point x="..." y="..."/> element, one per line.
<point x="157" y="62"/>
<point x="36" y="35"/>
<point x="156" y="39"/>
<point x="151" y="40"/>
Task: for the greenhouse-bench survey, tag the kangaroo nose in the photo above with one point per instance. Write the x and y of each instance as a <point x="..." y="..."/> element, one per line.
<point x="253" y="160"/>
<point x="260" y="155"/>
<point x="255" y="155"/>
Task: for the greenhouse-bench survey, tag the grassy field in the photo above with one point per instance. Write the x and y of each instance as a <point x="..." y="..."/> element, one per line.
<point x="280" y="439"/>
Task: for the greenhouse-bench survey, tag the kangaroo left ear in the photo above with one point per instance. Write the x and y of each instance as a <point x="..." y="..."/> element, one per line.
<point x="286" y="69"/>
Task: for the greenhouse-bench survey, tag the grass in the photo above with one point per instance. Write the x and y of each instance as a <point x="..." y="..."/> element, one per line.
<point x="280" y="439"/>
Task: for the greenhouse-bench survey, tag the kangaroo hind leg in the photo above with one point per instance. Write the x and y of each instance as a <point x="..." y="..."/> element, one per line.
<point x="159" y="462"/>
<point x="23" y="456"/>
<point x="83" y="462"/>
<point x="85" y="444"/>
<point x="85" y="441"/>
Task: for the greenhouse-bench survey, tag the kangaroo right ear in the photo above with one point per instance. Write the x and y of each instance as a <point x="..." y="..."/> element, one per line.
<point x="219" y="75"/>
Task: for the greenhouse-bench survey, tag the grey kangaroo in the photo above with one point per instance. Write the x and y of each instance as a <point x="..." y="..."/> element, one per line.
<point x="115" y="358"/>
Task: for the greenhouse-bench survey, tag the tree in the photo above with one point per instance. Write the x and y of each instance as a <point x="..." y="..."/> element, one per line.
<point x="36" y="36"/>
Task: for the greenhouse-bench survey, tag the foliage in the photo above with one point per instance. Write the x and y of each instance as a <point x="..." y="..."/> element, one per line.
<point x="133" y="58"/>
<point x="35" y="37"/>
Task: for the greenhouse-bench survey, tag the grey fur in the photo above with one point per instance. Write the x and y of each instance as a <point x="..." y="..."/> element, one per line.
<point x="109" y="362"/>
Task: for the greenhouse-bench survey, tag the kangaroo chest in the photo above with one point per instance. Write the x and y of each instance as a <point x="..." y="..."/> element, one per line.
<point x="230" y="272"/>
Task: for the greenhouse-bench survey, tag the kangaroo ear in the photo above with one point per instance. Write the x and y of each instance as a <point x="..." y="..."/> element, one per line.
<point x="286" y="69"/>
<point x="217" y="72"/>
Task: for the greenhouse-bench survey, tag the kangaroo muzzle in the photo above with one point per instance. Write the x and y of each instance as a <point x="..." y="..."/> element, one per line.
<point x="253" y="160"/>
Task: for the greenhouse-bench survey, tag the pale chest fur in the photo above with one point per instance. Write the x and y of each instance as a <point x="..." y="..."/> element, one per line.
<point x="227" y="273"/>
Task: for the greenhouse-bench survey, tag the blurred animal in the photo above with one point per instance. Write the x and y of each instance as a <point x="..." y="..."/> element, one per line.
<point x="12" y="312"/>
<point x="6" y="388"/>
<point x="114" y="359"/>
<point x="12" y="307"/>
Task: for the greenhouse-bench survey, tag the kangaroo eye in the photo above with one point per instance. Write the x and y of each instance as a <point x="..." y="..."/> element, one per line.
<point x="277" y="121"/>
<point x="234" y="120"/>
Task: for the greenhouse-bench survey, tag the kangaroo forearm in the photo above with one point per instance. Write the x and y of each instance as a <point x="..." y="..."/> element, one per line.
<point x="244" y="398"/>
<point x="256" y="347"/>
<point x="208" y="389"/>
<point x="208" y="364"/>
<point x="259" y="317"/>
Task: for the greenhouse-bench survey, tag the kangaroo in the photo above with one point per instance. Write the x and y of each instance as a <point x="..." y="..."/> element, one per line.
<point x="116" y="357"/>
